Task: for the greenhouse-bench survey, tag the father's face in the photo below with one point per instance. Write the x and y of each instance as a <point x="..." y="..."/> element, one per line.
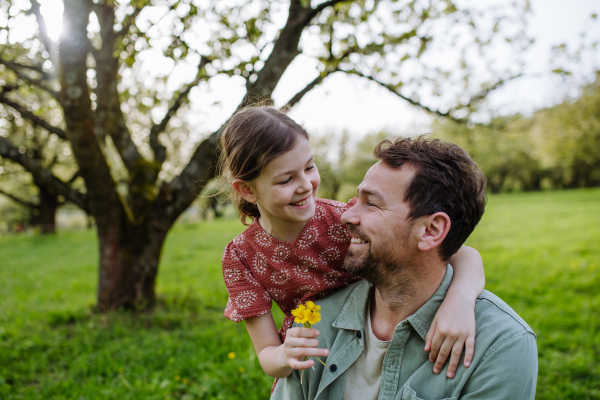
<point x="383" y="240"/>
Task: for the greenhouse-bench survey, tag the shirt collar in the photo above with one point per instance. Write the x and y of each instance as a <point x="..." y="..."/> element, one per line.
<point x="352" y="315"/>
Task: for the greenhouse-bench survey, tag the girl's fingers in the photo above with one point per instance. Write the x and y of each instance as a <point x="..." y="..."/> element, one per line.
<point x="436" y="344"/>
<point x="455" y="358"/>
<point x="430" y="334"/>
<point x="297" y="364"/>
<point x="469" y="350"/>
<point x="303" y="332"/>
<point x="301" y="342"/>
<point x="443" y="355"/>
<point x="298" y="352"/>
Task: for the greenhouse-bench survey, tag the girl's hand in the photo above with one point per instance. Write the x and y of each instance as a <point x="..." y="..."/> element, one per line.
<point x="453" y="328"/>
<point x="299" y="343"/>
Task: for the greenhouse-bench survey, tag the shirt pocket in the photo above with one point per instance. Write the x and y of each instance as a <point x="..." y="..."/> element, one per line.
<point x="409" y="393"/>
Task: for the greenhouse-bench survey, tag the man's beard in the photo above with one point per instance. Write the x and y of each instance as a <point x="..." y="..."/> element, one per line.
<point x="383" y="268"/>
<point x="374" y="270"/>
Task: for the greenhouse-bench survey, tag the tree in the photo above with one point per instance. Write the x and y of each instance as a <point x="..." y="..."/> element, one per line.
<point x="109" y="114"/>
<point x="557" y="147"/>
<point x="45" y="149"/>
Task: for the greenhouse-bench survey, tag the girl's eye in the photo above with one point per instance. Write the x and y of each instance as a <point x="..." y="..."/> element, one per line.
<point x="311" y="167"/>
<point x="286" y="181"/>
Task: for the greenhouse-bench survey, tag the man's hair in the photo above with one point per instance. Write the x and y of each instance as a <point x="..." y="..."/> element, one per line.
<point x="446" y="180"/>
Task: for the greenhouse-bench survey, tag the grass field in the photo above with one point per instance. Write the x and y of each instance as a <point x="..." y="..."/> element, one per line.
<point x="541" y="253"/>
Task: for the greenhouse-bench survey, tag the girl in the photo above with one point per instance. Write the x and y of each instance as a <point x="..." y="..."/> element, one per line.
<point x="294" y="248"/>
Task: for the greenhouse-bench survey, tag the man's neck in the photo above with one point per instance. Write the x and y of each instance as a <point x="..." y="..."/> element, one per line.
<point x="393" y="304"/>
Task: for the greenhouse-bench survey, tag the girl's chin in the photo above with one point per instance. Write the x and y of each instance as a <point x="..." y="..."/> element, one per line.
<point x="304" y="214"/>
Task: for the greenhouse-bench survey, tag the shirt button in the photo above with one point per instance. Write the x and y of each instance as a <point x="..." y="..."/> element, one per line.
<point x="358" y="334"/>
<point x="333" y="368"/>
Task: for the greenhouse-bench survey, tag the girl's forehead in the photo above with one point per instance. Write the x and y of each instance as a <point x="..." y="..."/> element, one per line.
<point x="292" y="160"/>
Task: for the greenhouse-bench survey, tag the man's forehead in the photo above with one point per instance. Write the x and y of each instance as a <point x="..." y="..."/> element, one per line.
<point x="386" y="182"/>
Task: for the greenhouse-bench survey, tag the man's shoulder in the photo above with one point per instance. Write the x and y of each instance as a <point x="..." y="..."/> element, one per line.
<point x="493" y="307"/>
<point x="497" y="323"/>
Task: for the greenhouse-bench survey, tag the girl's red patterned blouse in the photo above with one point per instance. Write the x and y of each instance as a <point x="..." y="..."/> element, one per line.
<point x="257" y="267"/>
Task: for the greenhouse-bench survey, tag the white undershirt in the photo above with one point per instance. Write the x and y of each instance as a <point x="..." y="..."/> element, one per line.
<point x="363" y="378"/>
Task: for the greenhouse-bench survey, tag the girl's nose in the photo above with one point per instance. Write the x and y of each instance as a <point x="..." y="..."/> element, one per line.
<point x="305" y="184"/>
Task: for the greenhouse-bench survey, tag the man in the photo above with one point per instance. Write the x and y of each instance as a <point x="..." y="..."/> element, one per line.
<point x="415" y="208"/>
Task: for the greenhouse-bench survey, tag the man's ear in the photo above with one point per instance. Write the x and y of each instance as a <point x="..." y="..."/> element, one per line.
<point x="244" y="190"/>
<point x="436" y="227"/>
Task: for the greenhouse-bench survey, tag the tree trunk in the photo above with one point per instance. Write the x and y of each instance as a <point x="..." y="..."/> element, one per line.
<point x="47" y="211"/>
<point x="129" y="257"/>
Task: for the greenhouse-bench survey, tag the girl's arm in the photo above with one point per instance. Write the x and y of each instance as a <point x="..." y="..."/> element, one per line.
<point x="454" y="324"/>
<point x="276" y="359"/>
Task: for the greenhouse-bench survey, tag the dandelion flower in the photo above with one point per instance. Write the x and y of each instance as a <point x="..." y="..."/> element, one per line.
<point x="307" y="314"/>
<point x="231" y="355"/>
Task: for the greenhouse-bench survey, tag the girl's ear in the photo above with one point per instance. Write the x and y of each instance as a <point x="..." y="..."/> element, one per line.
<point x="244" y="190"/>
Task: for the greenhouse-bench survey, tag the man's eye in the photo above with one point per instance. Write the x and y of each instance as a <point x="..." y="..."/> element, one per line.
<point x="370" y="204"/>
<point x="286" y="181"/>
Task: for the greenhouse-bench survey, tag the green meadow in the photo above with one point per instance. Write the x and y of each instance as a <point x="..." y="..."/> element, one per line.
<point x="541" y="253"/>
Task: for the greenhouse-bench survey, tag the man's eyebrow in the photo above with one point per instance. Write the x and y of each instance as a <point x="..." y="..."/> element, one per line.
<point x="310" y="160"/>
<point x="369" y="192"/>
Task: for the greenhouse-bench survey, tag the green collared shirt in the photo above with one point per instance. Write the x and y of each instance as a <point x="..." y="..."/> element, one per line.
<point x="504" y="365"/>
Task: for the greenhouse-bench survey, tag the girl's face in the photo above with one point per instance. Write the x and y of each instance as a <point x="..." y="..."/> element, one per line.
<point x="286" y="189"/>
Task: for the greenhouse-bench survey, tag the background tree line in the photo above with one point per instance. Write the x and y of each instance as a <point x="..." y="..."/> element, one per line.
<point x="554" y="148"/>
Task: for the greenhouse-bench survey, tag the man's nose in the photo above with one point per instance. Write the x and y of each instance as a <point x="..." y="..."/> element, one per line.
<point x="350" y="217"/>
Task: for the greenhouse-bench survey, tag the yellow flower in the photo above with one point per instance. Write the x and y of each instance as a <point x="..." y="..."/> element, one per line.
<point x="242" y="370"/>
<point x="312" y="306"/>
<point x="177" y="377"/>
<point x="299" y="313"/>
<point x="313" y="318"/>
<point x="307" y="314"/>
<point x="231" y="355"/>
<point x="184" y="380"/>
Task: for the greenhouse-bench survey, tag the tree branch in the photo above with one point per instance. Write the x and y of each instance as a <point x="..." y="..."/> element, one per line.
<point x="128" y="21"/>
<point x="74" y="177"/>
<point x="109" y="119"/>
<point x="484" y="92"/>
<point x="392" y="89"/>
<point x="43" y="175"/>
<point x="36" y="68"/>
<point x="25" y="113"/>
<point x="317" y="81"/>
<point x="46" y="41"/>
<point x="18" y="200"/>
<point x="174" y="197"/>
<point x="160" y="150"/>
<point x="39" y="83"/>
<point x="285" y="49"/>
<point x="323" y="6"/>
<point x="479" y="96"/>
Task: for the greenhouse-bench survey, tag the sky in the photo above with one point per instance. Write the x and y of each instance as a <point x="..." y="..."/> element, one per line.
<point x="360" y="107"/>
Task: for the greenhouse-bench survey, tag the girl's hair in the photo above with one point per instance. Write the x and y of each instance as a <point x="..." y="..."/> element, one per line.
<point x="251" y="139"/>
